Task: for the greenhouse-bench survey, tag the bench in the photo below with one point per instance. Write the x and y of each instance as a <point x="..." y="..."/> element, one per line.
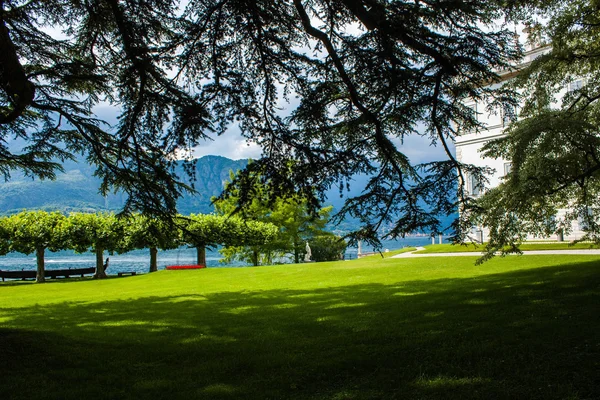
<point x="53" y="273"/>
<point x="121" y="273"/>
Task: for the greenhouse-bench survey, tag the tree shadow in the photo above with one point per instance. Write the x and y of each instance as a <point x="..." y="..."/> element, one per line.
<point x="529" y="334"/>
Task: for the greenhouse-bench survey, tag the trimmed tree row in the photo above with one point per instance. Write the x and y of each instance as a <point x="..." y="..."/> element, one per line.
<point x="37" y="231"/>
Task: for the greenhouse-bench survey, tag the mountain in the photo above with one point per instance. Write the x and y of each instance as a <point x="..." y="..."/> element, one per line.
<point x="77" y="189"/>
<point x="211" y="174"/>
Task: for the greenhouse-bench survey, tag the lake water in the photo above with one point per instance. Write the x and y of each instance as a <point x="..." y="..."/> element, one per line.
<point x="139" y="260"/>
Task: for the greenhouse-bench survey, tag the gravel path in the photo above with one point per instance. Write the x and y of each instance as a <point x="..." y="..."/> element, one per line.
<point x="477" y="254"/>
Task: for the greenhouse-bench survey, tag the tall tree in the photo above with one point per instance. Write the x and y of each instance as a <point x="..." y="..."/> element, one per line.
<point x="368" y="73"/>
<point x="554" y="147"/>
<point x="34" y="232"/>
<point x="114" y="51"/>
<point x="296" y="222"/>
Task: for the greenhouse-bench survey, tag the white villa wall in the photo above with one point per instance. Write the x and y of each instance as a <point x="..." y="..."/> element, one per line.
<point x="468" y="150"/>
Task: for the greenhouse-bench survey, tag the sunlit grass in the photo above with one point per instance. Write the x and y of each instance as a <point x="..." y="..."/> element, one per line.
<point x="373" y="328"/>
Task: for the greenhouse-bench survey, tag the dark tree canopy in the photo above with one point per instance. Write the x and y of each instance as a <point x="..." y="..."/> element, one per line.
<point x="367" y="73"/>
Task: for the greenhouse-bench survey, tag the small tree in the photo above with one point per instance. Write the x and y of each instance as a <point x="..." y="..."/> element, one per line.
<point x="327" y="247"/>
<point x="96" y="232"/>
<point x="36" y="231"/>
<point x="297" y="225"/>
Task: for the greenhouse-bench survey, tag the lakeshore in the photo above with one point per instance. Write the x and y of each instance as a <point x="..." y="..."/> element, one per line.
<point x="138" y="260"/>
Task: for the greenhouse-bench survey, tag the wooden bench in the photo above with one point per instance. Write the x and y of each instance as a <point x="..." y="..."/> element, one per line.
<point x="53" y="273"/>
<point x="121" y="273"/>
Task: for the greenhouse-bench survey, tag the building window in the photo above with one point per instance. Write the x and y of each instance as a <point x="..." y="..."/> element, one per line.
<point x="585" y="219"/>
<point x="476" y="186"/>
<point x="507" y="168"/>
<point x="473" y="107"/>
<point x="508" y="115"/>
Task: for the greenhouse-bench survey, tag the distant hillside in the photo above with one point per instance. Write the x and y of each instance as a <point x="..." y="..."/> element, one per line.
<point x="77" y="189"/>
<point x="211" y="174"/>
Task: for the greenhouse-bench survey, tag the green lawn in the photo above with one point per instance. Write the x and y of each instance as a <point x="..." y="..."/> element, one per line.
<point x="374" y="328"/>
<point x="450" y="248"/>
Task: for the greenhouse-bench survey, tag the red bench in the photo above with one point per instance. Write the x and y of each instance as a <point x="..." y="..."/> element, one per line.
<point x="193" y="266"/>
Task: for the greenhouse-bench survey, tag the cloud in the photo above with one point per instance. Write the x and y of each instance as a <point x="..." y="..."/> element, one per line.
<point x="234" y="146"/>
<point x="230" y="144"/>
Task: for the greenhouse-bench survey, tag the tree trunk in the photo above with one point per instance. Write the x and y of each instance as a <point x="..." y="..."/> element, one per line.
<point x="201" y="255"/>
<point x="100" y="273"/>
<point x="40" y="276"/>
<point x="296" y="252"/>
<point x="255" y="258"/>
<point x="269" y="257"/>
<point x="153" y="257"/>
<point x="13" y="80"/>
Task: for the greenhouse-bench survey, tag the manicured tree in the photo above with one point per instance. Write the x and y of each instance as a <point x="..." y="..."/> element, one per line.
<point x="143" y="232"/>
<point x="96" y="232"/>
<point x="201" y="231"/>
<point x="4" y="236"/>
<point x="211" y="230"/>
<point x="36" y="231"/>
<point x="297" y="224"/>
<point x="249" y="241"/>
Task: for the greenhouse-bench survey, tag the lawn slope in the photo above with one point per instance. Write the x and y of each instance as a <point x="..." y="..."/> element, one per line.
<point x="376" y="328"/>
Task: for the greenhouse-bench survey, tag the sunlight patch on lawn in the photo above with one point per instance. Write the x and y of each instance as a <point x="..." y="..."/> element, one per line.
<point x="328" y="318"/>
<point x="125" y="322"/>
<point x="433" y="314"/>
<point x="304" y="295"/>
<point x="408" y="293"/>
<point x="346" y="305"/>
<point x="478" y="302"/>
<point x="155" y="326"/>
<point x="184" y="298"/>
<point x="213" y="338"/>
<point x="449" y="381"/>
<point x="219" y="389"/>
<point x="285" y="305"/>
<point x="242" y="309"/>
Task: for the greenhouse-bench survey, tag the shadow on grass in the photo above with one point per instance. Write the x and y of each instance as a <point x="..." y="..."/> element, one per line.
<point x="530" y="335"/>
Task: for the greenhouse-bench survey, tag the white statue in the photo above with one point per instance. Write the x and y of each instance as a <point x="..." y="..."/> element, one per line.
<point x="308" y="254"/>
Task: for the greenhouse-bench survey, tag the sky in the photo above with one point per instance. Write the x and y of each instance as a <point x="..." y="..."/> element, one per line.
<point x="232" y="145"/>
